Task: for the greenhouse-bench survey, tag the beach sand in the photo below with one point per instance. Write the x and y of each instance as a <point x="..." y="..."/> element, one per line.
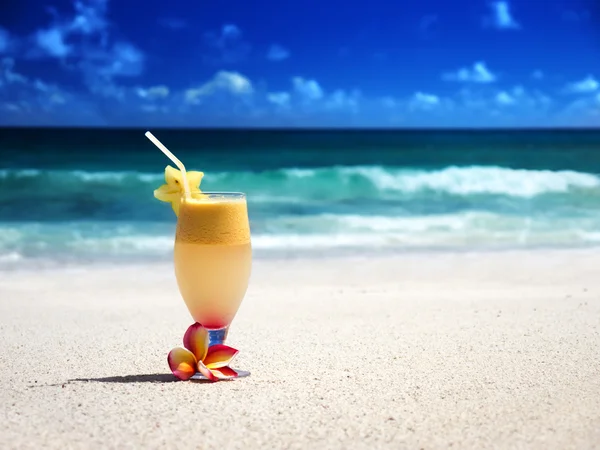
<point x="462" y="350"/>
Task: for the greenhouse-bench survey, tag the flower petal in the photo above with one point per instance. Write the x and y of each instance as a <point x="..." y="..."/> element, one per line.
<point x="224" y="373"/>
<point x="196" y="341"/>
<point x="207" y="373"/>
<point x="219" y="355"/>
<point x="182" y="363"/>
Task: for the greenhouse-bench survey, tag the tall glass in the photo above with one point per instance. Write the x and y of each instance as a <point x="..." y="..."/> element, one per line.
<point x="213" y="258"/>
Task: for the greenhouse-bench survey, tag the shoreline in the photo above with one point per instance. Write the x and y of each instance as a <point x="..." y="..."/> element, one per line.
<point x="279" y="256"/>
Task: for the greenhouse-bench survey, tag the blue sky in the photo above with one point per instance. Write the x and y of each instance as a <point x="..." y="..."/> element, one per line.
<point x="377" y="63"/>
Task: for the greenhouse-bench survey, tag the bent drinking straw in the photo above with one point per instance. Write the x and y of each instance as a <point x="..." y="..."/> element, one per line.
<point x="175" y="160"/>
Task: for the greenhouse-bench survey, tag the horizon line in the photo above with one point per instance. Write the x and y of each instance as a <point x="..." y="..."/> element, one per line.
<point x="298" y="129"/>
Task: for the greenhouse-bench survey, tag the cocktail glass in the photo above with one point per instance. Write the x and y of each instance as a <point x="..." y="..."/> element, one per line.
<point x="213" y="259"/>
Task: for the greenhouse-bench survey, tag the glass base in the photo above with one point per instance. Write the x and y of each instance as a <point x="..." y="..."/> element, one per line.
<point x="199" y="377"/>
<point x="217" y="336"/>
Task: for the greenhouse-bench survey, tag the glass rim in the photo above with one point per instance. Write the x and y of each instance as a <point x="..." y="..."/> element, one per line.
<point x="220" y="193"/>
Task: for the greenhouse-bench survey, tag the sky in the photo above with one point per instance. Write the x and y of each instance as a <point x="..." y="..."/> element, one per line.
<point x="328" y="63"/>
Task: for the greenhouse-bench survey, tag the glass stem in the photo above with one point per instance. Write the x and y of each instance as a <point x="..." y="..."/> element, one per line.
<point x="217" y="336"/>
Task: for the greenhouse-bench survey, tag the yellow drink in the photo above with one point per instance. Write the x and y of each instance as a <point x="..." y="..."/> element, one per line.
<point x="213" y="256"/>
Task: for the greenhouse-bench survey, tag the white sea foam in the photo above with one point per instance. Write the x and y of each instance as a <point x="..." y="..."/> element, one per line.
<point x="305" y="209"/>
<point x="477" y="180"/>
<point x="82" y="175"/>
<point x="335" y="181"/>
<point x="317" y="232"/>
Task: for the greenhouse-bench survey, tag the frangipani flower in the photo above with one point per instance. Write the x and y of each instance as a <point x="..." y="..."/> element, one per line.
<point x="197" y="356"/>
<point x="172" y="191"/>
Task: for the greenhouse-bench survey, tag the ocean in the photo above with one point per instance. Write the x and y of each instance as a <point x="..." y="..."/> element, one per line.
<point x="85" y="195"/>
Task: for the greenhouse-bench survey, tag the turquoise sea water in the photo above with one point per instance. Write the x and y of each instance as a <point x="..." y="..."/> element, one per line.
<point x="77" y="194"/>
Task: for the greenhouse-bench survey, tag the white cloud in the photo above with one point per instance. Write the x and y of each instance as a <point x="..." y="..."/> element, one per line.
<point x="11" y="107"/>
<point x="101" y="67"/>
<point x="586" y="104"/>
<point x="537" y="75"/>
<point x="230" y="31"/>
<point x="124" y="59"/>
<point x="21" y="94"/>
<point x="501" y="16"/>
<point x="479" y="73"/>
<point x="57" y="99"/>
<point x="308" y="89"/>
<point x="277" y="53"/>
<point x="232" y="83"/>
<point x="227" y="46"/>
<point x="279" y="98"/>
<point x="421" y="100"/>
<point x="583" y="108"/>
<point x="82" y="41"/>
<point x="52" y="42"/>
<point x="89" y="20"/>
<point x="90" y="17"/>
<point x="504" y="98"/>
<point x="389" y="102"/>
<point x="5" y="40"/>
<point x="153" y="108"/>
<point x="154" y="92"/>
<point x="342" y="100"/>
<point x="8" y="75"/>
<point x="508" y="106"/>
<point x="308" y="97"/>
<point x="588" y="84"/>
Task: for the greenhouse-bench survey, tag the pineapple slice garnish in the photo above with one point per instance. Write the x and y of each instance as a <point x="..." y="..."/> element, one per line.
<point x="173" y="190"/>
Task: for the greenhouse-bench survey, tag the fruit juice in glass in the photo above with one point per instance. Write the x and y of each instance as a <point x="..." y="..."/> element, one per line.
<point x="213" y="257"/>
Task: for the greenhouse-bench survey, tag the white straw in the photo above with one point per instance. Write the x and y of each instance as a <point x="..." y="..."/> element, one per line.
<point x="173" y="158"/>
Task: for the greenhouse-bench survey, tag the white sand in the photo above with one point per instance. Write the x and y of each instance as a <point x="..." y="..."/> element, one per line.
<point x="498" y="350"/>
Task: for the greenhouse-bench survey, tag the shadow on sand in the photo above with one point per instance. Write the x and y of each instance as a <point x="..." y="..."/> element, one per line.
<point x="145" y="378"/>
